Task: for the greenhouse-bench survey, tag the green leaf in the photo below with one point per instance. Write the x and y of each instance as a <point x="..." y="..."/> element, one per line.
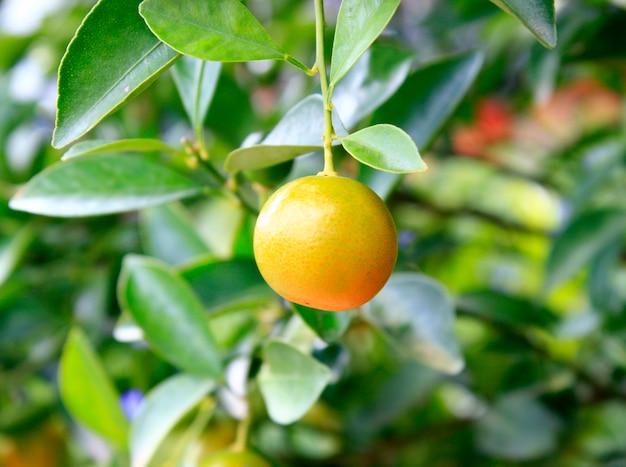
<point x="162" y="409"/>
<point x="290" y="381"/>
<point x="329" y="326"/>
<point x="298" y="132"/>
<point x="172" y="318"/>
<point x="605" y="293"/>
<point x="417" y="315"/>
<point x="373" y="79"/>
<point x="100" y="146"/>
<point x="518" y="428"/>
<point x="168" y="234"/>
<point x="359" y="23"/>
<point x="430" y="95"/>
<point x="384" y="147"/>
<point x="216" y="30"/>
<point x="12" y="248"/>
<point x="89" y="186"/>
<point x="227" y="284"/>
<point x="112" y="57"/>
<point x="87" y="391"/>
<point x="581" y="241"/>
<point x="537" y="15"/>
<point x="505" y="309"/>
<point x="196" y="81"/>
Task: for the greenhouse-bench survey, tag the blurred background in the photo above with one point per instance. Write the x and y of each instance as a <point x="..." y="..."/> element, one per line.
<point x="534" y="156"/>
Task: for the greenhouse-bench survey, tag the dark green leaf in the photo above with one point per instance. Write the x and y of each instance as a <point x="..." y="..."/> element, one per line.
<point x="161" y="410"/>
<point x="168" y="234"/>
<point x="417" y="315"/>
<point x="429" y="96"/>
<point x="384" y="147"/>
<point x="99" y="146"/>
<point x="581" y="241"/>
<point x="112" y="57"/>
<point x="87" y="391"/>
<point x="359" y="23"/>
<point x="216" y="30"/>
<point x="604" y="291"/>
<point x="227" y="284"/>
<point x="89" y="186"/>
<point x="373" y="79"/>
<point x="518" y="428"/>
<point x="172" y="318"/>
<point x="537" y="15"/>
<point x="290" y="381"/>
<point x="298" y="132"/>
<point x="330" y="326"/>
<point x="505" y="309"/>
<point x="196" y="81"/>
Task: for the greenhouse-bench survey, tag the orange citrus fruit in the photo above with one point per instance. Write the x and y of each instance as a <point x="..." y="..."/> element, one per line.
<point x="327" y="242"/>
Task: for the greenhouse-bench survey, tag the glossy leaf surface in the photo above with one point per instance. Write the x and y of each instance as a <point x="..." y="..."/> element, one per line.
<point x="161" y="410"/>
<point x="290" y="381"/>
<point x="384" y="147"/>
<point x="99" y="146"/>
<point x="172" y="318"/>
<point x="329" y="326"/>
<point x="417" y="314"/>
<point x="89" y="186"/>
<point x="216" y="30"/>
<point x="359" y="23"/>
<point x="87" y="391"/>
<point x="537" y="15"/>
<point x="196" y="81"/>
<point x="100" y="72"/>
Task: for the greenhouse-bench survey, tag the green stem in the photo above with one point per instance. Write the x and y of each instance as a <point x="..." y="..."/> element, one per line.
<point x="320" y="63"/>
<point x="241" y="439"/>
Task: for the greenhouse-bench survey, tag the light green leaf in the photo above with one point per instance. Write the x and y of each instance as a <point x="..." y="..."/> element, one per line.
<point x="373" y="79"/>
<point x="227" y="284"/>
<point x="196" y="81"/>
<point x="101" y="70"/>
<point x="417" y="315"/>
<point x="359" y="23"/>
<point x="100" y="146"/>
<point x="168" y="234"/>
<point x="172" y="318"/>
<point x="298" y="132"/>
<point x="537" y="15"/>
<point x="94" y="185"/>
<point x="162" y="409"/>
<point x="87" y="391"/>
<point x="581" y="241"/>
<point x="329" y="326"/>
<point x="290" y="381"/>
<point x="215" y="30"/>
<point x="518" y="428"/>
<point x="384" y="147"/>
<point x="12" y="248"/>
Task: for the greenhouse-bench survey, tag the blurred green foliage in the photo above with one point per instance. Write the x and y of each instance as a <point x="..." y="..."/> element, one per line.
<point x="521" y="216"/>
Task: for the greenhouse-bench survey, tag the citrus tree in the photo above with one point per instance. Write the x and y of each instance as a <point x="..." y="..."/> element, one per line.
<point x="232" y="252"/>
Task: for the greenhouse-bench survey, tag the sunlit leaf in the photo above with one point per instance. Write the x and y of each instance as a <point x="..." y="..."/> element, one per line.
<point x="196" y="81"/>
<point x="99" y="146"/>
<point x="161" y="410"/>
<point x="417" y="315"/>
<point x="537" y="15"/>
<point x="94" y="185"/>
<point x="168" y="311"/>
<point x="384" y="147"/>
<point x="290" y="381"/>
<point x="101" y="70"/>
<point x="216" y="30"/>
<point x="87" y="391"/>
<point x="359" y="23"/>
<point x="12" y="248"/>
